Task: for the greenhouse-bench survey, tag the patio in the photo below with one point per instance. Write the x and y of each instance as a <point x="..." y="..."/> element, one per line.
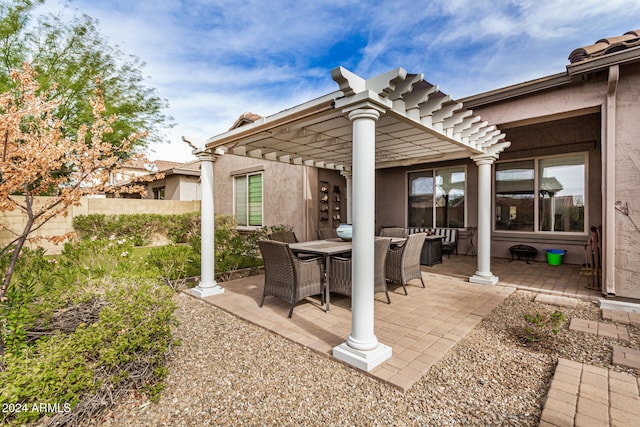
<point x="420" y="327"/>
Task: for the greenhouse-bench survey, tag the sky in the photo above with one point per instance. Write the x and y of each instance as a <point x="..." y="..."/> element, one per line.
<point x="213" y="60"/>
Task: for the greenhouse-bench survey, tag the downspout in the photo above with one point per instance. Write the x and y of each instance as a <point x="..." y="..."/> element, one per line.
<point x="609" y="184"/>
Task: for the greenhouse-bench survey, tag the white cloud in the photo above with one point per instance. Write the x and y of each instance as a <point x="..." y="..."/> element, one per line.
<point x="215" y="59"/>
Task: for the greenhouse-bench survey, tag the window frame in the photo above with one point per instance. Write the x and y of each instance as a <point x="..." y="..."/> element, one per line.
<point x="246" y="177"/>
<point x="536" y="196"/>
<point x="434" y="208"/>
<point x="160" y="193"/>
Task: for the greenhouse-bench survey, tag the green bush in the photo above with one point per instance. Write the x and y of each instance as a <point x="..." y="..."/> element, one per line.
<point x="138" y="228"/>
<point x="183" y="227"/>
<point x="80" y="328"/>
<point x="123" y="349"/>
<point x="540" y="327"/>
<point x="233" y="251"/>
<point x="174" y="263"/>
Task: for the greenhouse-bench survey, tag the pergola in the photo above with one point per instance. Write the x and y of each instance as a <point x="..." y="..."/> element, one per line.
<point x="394" y="119"/>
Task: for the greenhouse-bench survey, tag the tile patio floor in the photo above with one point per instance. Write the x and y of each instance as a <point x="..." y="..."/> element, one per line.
<point x="420" y="328"/>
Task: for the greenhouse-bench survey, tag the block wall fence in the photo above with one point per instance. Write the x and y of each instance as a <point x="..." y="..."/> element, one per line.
<point x="15" y="220"/>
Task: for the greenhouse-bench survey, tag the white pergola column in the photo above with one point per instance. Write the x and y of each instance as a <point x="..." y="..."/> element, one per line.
<point x="207" y="286"/>
<point x="483" y="275"/>
<point x="362" y="348"/>
<point x="347" y="177"/>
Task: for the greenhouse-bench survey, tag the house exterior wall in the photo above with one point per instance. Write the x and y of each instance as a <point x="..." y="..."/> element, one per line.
<point x="189" y="187"/>
<point x="392" y="196"/>
<point x="296" y="206"/>
<point x="176" y="187"/>
<point x="584" y="98"/>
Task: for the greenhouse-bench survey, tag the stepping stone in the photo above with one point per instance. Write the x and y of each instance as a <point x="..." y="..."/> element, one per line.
<point x="581" y="394"/>
<point x="621" y="316"/>
<point x="624" y="356"/>
<point x="556" y="300"/>
<point x="601" y="329"/>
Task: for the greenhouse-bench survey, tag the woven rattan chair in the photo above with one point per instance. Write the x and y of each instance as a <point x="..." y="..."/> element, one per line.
<point x="284" y="236"/>
<point x="403" y="263"/>
<point x="288" y="277"/>
<point x="340" y="271"/>
<point x="327" y="233"/>
<point x="394" y="232"/>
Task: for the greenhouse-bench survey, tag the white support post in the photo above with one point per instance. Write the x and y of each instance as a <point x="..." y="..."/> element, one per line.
<point x="207" y="286"/>
<point x="362" y="348"/>
<point x="483" y="275"/>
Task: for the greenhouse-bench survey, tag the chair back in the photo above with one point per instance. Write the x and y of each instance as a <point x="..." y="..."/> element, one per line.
<point x="412" y="249"/>
<point x="284" y="236"/>
<point x="327" y="233"/>
<point x="394" y="232"/>
<point x="279" y="271"/>
<point x="381" y="247"/>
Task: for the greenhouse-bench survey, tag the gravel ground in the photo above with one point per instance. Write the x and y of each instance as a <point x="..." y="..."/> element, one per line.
<point x="221" y="376"/>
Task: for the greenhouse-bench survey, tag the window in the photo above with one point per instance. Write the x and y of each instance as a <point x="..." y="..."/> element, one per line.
<point x="436" y="194"/>
<point x="248" y="199"/>
<point x="544" y="194"/>
<point x="159" y="193"/>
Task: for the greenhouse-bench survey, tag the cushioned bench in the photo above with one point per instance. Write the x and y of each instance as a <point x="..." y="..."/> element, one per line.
<point x="450" y="241"/>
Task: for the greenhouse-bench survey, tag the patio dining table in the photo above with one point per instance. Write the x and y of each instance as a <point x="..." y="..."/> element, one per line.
<point x="327" y="248"/>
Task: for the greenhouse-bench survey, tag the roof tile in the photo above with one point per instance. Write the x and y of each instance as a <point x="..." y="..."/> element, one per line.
<point x="606" y="46"/>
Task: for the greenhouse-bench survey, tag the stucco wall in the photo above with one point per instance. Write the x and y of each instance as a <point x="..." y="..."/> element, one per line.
<point x="627" y="251"/>
<point x="289" y="191"/>
<point x="177" y="187"/>
<point x="392" y="195"/>
<point x="586" y="97"/>
<point x="14" y="220"/>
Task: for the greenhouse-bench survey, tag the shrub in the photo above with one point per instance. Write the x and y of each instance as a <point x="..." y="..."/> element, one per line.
<point x="539" y="327"/>
<point x="174" y="263"/>
<point x="137" y="228"/>
<point x="183" y="227"/>
<point x="84" y="370"/>
<point x="96" y="258"/>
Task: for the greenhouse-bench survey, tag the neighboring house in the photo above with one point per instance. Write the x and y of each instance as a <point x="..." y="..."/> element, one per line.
<point x="180" y="181"/>
<point x="133" y="169"/>
<point x="573" y="162"/>
<point x="170" y="180"/>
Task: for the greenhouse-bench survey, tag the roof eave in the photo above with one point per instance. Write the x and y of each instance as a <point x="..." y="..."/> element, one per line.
<point x="574" y="72"/>
<point x="520" y="89"/>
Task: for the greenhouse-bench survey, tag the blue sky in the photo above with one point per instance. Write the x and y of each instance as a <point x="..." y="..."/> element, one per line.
<point x="216" y="59"/>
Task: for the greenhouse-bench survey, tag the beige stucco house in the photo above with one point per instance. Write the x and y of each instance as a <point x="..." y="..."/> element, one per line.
<point x="573" y="164"/>
<point x="541" y="163"/>
<point x="164" y="180"/>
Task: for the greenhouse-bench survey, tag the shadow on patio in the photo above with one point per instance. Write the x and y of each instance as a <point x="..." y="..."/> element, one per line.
<point x="420" y="327"/>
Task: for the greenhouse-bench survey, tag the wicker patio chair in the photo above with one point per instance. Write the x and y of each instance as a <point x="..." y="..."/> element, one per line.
<point x="403" y="263"/>
<point x="394" y="232"/>
<point x="327" y="233"/>
<point x="284" y="236"/>
<point x="288" y="277"/>
<point x="340" y="271"/>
